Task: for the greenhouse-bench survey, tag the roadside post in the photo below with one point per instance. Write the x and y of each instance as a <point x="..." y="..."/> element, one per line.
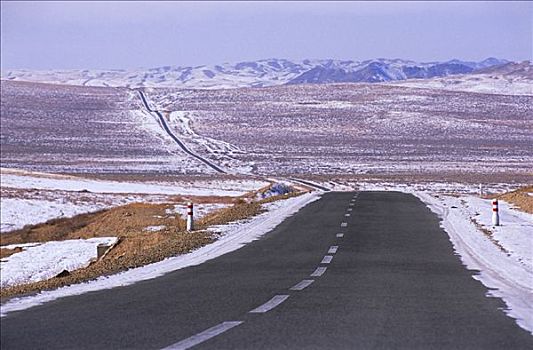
<point x="190" y="224"/>
<point x="495" y="214"/>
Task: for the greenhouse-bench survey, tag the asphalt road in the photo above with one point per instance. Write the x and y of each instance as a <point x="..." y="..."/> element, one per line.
<point x="387" y="279"/>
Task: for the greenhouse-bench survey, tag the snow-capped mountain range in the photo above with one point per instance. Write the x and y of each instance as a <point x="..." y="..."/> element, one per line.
<point x="268" y="72"/>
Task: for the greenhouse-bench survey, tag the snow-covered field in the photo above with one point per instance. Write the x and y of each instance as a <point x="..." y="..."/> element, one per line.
<point x="41" y="261"/>
<point x="15" y="213"/>
<point x="32" y="198"/>
<point x="233" y="236"/>
<point x="232" y="188"/>
<point x="352" y="128"/>
<point x="480" y="83"/>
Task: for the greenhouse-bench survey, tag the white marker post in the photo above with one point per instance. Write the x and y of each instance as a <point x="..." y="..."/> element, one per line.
<point x="495" y="215"/>
<point x="190" y="224"/>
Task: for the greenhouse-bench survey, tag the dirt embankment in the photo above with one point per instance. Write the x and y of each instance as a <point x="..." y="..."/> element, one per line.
<point x="137" y="246"/>
<point x="521" y="198"/>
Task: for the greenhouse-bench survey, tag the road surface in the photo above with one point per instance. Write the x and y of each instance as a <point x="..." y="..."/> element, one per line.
<point x="351" y="271"/>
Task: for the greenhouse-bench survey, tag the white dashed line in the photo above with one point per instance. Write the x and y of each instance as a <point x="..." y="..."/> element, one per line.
<point x="333" y="249"/>
<point x="344" y="224"/>
<point x="319" y="271"/>
<point x="351" y="204"/>
<point x="203" y="336"/>
<point x="302" y="285"/>
<point x="327" y="259"/>
<point x="340" y="235"/>
<point x="347" y="214"/>
<point x="269" y="305"/>
<point x="350" y="209"/>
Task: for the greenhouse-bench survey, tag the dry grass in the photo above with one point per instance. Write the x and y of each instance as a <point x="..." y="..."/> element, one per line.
<point x="4" y="253"/>
<point x="519" y="198"/>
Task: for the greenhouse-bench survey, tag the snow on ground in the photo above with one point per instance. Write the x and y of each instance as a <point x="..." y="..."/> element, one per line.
<point x="71" y="183"/>
<point x="16" y="213"/>
<point x="30" y="198"/>
<point x="225" y="154"/>
<point x="480" y="83"/>
<point x="38" y="262"/>
<point x="515" y="234"/>
<point x="504" y="260"/>
<point x="436" y="187"/>
<point x="233" y="236"/>
<point x="200" y="210"/>
<point x="154" y="228"/>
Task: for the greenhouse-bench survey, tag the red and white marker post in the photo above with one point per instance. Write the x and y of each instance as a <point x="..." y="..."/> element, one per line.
<point x="190" y="223"/>
<point x="495" y="215"/>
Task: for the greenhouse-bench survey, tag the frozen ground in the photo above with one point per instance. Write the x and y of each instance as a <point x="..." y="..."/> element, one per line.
<point x="17" y="212"/>
<point x="353" y="128"/>
<point x="32" y="198"/>
<point x="232" y="188"/>
<point x="233" y="236"/>
<point x="281" y="130"/>
<point x="78" y="129"/>
<point x="41" y="261"/>
<point x="479" y="83"/>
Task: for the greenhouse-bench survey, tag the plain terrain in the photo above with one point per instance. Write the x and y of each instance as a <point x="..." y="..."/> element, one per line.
<point x="328" y="129"/>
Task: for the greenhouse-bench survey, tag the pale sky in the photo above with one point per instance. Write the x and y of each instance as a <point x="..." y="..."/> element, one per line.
<point x="115" y="35"/>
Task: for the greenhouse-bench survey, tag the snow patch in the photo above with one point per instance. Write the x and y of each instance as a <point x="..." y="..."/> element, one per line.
<point x="15" y="213"/>
<point x="39" y="262"/>
<point x="70" y="183"/>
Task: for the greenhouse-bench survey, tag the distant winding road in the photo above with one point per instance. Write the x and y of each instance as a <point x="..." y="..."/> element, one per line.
<point x="175" y="138"/>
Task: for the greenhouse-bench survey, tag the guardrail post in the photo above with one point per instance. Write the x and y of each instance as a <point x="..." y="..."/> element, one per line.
<point x="190" y="223"/>
<point x="495" y="214"/>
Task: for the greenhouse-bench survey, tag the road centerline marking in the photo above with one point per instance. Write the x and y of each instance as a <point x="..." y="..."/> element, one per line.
<point x="302" y="285"/>
<point x="347" y="214"/>
<point x="333" y="249"/>
<point x="340" y="235"/>
<point x="350" y="209"/>
<point x="269" y="305"/>
<point x="327" y="259"/>
<point x="319" y="271"/>
<point x="344" y="224"/>
<point x="203" y="336"/>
